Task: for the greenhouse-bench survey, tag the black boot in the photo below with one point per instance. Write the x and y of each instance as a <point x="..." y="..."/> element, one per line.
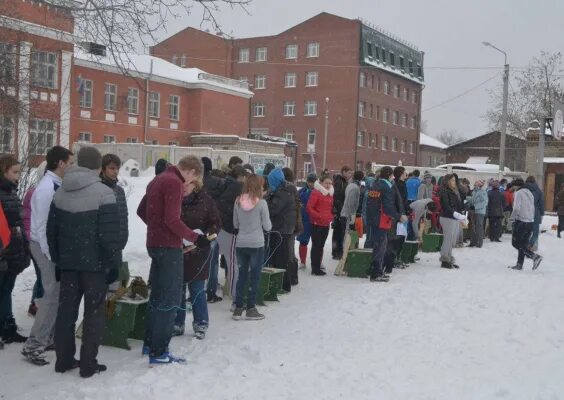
<point x="10" y="333"/>
<point x="446" y="265"/>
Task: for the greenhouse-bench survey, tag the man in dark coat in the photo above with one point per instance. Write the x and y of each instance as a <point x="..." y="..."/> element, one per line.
<point x="83" y="233"/>
<point x="531" y="184"/>
<point x="496" y="205"/>
<point x="340" y="183"/>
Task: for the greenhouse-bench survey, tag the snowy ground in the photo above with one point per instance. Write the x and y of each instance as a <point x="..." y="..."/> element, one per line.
<point x="481" y="332"/>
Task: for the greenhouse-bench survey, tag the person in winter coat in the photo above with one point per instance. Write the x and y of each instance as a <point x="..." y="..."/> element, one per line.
<point x="560" y="210"/>
<point x="340" y="183"/>
<point x="160" y="209"/>
<point x="198" y="212"/>
<point x="83" y="232"/>
<point x="17" y="254"/>
<point x="508" y="196"/>
<point x="420" y="208"/>
<point x="523" y="217"/>
<point x="480" y="204"/>
<point x="368" y="243"/>
<point x="425" y="190"/>
<point x="227" y="235"/>
<point x="213" y="186"/>
<point x="352" y="199"/>
<point x="281" y="199"/>
<point x="395" y="242"/>
<point x="496" y="205"/>
<point x="412" y="186"/>
<point x="451" y="218"/>
<point x="111" y="164"/>
<point x="531" y="184"/>
<point x="42" y="332"/>
<point x="380" y="214"/>
<point x="320" y="211"/>
<point x="304" y="195"/>
<point x="251" y="218"/>
<point x="299" y="228"/>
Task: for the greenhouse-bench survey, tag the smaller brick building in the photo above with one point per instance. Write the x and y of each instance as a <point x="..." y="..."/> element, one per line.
<point x="431" y="151"/>
<point x="488" y="146"/>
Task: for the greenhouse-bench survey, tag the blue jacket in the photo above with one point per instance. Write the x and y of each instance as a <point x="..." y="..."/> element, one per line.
<point x="412" y="188"/>
<point x="480" y="201"/>
<point x="304" y="194"/>
<point x="380" y="197"/>
<point x="369" y="181"/>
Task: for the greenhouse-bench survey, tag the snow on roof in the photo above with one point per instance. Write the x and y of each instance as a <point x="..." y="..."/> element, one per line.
<point x="142" y="63"/>
<point x="554" y="160"/>
<point x="426" y="140"/>
<point x="473" y="167"/>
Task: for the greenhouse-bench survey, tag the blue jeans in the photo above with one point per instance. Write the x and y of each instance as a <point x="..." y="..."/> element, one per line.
<point x="199" y="306"/>
<point x="214" y="268"/>
<point x="250" y="261"/>
<point x="167" y="272"/>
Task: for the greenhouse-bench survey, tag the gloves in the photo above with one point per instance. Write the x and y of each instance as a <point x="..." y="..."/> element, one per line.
<point x="202" y="241"/>
<point x="459" y="217"/>
<point x="112" y="275"/>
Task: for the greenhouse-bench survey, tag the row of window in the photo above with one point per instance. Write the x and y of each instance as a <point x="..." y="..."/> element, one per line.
<point x="397" y="118"/>
<point x="87" y="138"/>
<point x="370" y="140"/>
<point x="42" y="134"/>
<point x="44" y="66"/>
<point x="290" y="80"/>
<point x="132" y="100"/>
<point x="389" y="57"/>
<point x="370" y="81"/>
<point x="289" y="108"/>
<point x="291" y="53"/>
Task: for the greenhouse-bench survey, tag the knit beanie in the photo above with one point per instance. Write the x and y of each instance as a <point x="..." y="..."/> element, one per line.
<point x="160" y="166"/>
<point x="312" y="178"/>
<point x="89" y="157"/>
<point x="207" y="164"/>
<point x="427" y="176"/>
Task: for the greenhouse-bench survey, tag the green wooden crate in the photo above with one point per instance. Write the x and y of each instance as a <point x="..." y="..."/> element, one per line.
<point x="432" y="242"/>
<point x="354" y="240"/>
<point x="276" y="277"/>
<point x="358" y="263"/>
<point x="262" y="289"/>
<point x="409" y="251"/>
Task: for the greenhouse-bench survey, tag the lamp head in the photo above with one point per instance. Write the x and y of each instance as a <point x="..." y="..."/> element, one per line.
<point x="486" y="43"/>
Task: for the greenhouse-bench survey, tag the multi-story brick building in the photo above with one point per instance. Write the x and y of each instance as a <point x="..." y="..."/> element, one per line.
<point x="364" y="85"/>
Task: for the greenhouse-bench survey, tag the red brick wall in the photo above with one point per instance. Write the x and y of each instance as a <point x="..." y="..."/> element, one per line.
<point x="39" y="13"/>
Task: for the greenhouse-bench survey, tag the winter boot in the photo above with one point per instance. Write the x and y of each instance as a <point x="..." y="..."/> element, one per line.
<point x="165" y="358"/>
<point x="446" y="265"/>
<point x="213" y="298"/>
<point x="536" y="261"/>
<point x="237" y="314"/>
<point x="178" y="330"/>
<point x="319" y="273"/>
<point x="62" y="369"/>
<point x="517" y="267"/>
<point x="11" y="335"/>
<point x="253" y="314"/>
<point x="36" y="357"/>
<point x="200" y="335"/>
<point x="96" y="370"/>
<point x="380" y="278"/>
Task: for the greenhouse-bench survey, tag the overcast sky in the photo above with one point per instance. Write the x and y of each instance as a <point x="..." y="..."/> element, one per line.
<point x="450" y="32"/>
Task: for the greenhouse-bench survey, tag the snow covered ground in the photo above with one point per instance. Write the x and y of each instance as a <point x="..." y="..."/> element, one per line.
<point x="481" y="332"/>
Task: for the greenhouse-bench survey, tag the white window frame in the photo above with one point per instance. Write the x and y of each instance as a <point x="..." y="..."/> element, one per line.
<point x="362" y="80"/>
<point x="44" y="69"/>
<point x="8" y="63"/>
<point x="312" y="50"/>
<point x="244" y="55"/>
<point x="133" y="101"/>
<point x="292" y="52"/>
<point x="361" y="109"/>
<point x="109" y="138"/>
<point x="85" y="137"/>
<point x="397" y="91"/>
<point x="375" y="141"/>
<point x="404" y="120"/>
<point x="370" y="140"/>
<point x="290" y="80"/>
<point x="154" y="104"/>
<point x="386" y="87"/>
<point x="110" y="96"/>
<point x="259" y="110"/>
<point x="360" y="136"/>
<point x="174" y="107"/>
<point x="183" y="61"/>
<point x="310" y="108"/>
<point x="414" y="97"/>
<point x="260" y="82"/>
<point x="311" y="140"/>
<point x="261" y="54"/>
<point x="6" y="134"/>
<point x="412" y="123"/>
<point x="395" y="145"/>
<point x="42" y="134"/>
<point x="412" y="148"/>
<point x="86" y="95"/>
<point x="395" y="117"/>
<point x="405" y="94"/>
<point x="384" y="145"/>
<point x="289" y="108"/>
<point x="308" y="168"/>
<point x="288" y="134"/>
<point x="131" y="140"/>
<point x="386" y="116"/>
<point x="312" y="79"/>
<point x="403" y="146"/>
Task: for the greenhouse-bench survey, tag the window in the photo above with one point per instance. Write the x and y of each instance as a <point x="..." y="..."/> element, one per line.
<point x="288" y="134"/>
<point x="419" y="71"/>
<point x="404" y="120"/>
<point x="131" y="140"/>
<point x="85" y="93"/>
<point x="375" y="143"/>
<point x="291" y="51"/>
<point x="154" y="104"/>
<point x="394" y="144"/>
<point x="396" y="91"/>
<point x="6" y="134"/>
<point x="412" y="123"/>
<point x="414" y="97"/>
<point x="308" y="168"/>
<point x="310" y="108"/>
<point x="412" y="148"/>
<point x="260" y="82"/>
<point x="370" y="140"/>
<point x="377" y="52"/>
<point x="290" y="80"/>
<point x="41" y="135"/>
<point x="258" y="109"/>
<point x="110" y="96"/>
<point x="384" y="143"/>
<point x="361" y="109"/>
<point x="244" y="79"/>
<point x="289" y="108"/>
<point x="7" y="62"/>
<point x="403" y="146"/>
<point x="384" y="55"/>
<point x="362" y="80"/>
<point x="109" y="139"/>
<point x="311" y="140"/>
<point x="385" y="115"/>
<point x="173" y="107"/>
<point x="411" y="67"/>
<point x="174" y="59"/>
<point x="243" y="55"/>
<point x="133" y="101"/>
<point x="360" y="139"/>
<point x="377" y="113"/>
<point x="386" y="87"/>
<point x="85" y="137"/>
<point x="173" y="143"/>
<point x="402" y="63"/>
<point x="44" y="69"/>
<point x="260" y="54"/>
<point x="311" y="79"/>
<point x="371" y="115"/>
<point x="405" y="94"/>
<point x="392" y="59"/>
<point x="395" y="117"/>
<point x="373" y="81"/>
<point x="369" y="50"/>
<point x="313" y="50"/>
<point x="183" y="61"/>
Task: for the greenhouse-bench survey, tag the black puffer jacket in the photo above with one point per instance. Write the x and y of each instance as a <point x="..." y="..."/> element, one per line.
<point x="496" y="203"/>
<point x="213" y="186"/>
<point x="226" y="201"/>
<point x="282" y="208"/>
<point x="450" y="202"/>
<point x="17" y="254"/>
<point x="340" y="186"/>
<point x="123" y="216"/>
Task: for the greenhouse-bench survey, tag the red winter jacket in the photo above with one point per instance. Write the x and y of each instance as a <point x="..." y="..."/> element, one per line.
<point x="320" y="206"/>
<point x="160" y="209"/>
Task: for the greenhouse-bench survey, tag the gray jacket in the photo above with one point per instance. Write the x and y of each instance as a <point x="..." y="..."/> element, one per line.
<point x="425" y="191"/>
<point x="523" y="206"/>
<point x="352" y="198"/>
<point x="251" y="220"/>
<point x="418" y="207"/>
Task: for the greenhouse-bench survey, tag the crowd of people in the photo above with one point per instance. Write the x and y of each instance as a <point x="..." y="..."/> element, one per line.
<point x="72" y="226"/>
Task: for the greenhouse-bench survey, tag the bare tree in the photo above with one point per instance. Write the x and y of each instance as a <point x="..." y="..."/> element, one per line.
<point x="538" y="89"/>
<point x="450" y="137"/>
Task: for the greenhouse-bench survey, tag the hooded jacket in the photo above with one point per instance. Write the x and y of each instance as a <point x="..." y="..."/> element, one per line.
<point x="40" y="203"/>
<point x="523" y="205"/>
<point x="352" y="198"/>
<point x="121" y="202"/>
<point x="412" y="185"/>
<point x="17" y="254"/>
<point x="425" y="191"/>
<point x="450" y="202"/>
<point x="251" y="218"/>
<point x="83" y="224"/>
<point x="282" y="200"/>
<point x="380" y="201"/>
<point x="320" y="205"/>
<point x="480" y="200"/>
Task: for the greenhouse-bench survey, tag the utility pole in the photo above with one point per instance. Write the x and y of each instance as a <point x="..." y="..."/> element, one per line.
<point x="326" y="131"/>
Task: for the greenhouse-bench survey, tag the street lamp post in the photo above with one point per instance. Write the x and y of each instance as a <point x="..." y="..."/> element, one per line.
<point x="504" y="110"/>
<point x="325" y="135"/>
